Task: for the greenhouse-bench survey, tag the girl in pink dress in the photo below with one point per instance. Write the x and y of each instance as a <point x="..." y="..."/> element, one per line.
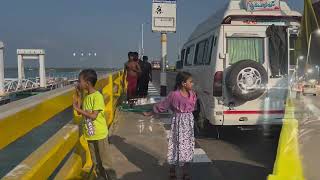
<point x="181" y="138"/>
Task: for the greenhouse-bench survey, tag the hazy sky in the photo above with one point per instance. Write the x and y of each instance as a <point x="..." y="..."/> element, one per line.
<point x="110" y="28"/>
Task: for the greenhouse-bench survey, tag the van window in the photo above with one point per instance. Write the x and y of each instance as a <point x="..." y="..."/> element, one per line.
<point x="201" y="52"/>
<point x="207" y="58"/>
<point x="189" y="56"/>
<point x="182" y="54"/>
<point x="245" y="48"/>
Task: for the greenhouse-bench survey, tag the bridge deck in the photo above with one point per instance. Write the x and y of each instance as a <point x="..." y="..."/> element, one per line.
<point x="139" y="147"/>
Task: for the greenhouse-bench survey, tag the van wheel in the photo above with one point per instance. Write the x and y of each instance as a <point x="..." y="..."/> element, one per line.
<point x="247" y="80"/>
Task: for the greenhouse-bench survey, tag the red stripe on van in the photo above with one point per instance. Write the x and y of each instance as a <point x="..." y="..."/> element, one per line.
<point x="254" y="112"/>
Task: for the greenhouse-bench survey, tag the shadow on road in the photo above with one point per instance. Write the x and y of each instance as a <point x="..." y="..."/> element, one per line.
<point x="232" y="170"/>
<point x="149" y="165"/>
<point x="152" y="170"/>
<point x="241" y="154"/>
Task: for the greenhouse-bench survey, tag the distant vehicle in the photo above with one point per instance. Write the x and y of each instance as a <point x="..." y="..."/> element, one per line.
<point x="313" y="81"/>
<point x="171" y="68"/>
<point x="309" y="89"/>
<point x="298" y="87"/>
<point x="156" y="65"/>
<point x="228" y="56"/>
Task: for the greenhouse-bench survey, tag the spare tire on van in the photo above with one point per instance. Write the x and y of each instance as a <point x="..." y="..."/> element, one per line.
<point x="247" y="80"/>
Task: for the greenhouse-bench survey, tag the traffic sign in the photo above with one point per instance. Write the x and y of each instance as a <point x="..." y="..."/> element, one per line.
<point x="164" y="13"/>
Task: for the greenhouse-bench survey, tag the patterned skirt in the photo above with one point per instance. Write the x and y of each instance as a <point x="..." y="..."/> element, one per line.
<point x="181" y="139"/>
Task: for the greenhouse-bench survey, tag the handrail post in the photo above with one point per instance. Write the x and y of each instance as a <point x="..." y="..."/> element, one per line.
<point x="120" y="85"/>
<point x="117" y="82"/>
<point x="108" y="90"/>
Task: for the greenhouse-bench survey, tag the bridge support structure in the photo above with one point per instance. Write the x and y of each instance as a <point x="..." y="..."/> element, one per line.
<point x="32" y="54"/>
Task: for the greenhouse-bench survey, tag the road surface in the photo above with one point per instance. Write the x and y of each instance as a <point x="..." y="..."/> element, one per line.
<point x="308" y="116"/>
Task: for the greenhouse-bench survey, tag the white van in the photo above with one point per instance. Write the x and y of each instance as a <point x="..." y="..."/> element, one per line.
<point x="229" y="57"/>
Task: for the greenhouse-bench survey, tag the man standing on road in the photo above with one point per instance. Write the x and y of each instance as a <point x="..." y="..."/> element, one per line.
<point x="139" y="61"/>
<point x="145" y="77"/>
<point x="131" y="71"/>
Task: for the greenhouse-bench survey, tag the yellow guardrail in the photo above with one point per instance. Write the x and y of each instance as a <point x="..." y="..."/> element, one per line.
<point x="21" y="118"/>
<point x="288" y="164"/>
<point x="41" y="163"/>
<point x="66" y="143"/>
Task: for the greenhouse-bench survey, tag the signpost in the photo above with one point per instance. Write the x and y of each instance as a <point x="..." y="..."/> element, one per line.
<point x="1" y="69"/>
<point x="164" y="15"/>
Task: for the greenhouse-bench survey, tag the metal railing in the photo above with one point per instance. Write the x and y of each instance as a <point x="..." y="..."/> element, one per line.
<point x="16" y="85"/>
<point x="66" y="143"/>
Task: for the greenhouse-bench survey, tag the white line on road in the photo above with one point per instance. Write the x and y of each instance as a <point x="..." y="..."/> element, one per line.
<point x="152" y="90"/>
<point x="200" y="156"/>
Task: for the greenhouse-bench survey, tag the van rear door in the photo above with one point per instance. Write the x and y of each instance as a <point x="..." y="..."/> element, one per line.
<point x="250" y="42"/>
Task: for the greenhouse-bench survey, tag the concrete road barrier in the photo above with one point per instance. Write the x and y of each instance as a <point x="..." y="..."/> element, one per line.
<point x="288" y="165"/>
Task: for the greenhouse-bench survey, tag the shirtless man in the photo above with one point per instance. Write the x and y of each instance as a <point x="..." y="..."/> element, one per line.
<point x="131" y="71"/>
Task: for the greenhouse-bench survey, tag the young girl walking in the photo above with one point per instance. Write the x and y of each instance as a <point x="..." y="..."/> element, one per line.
<point x="181" y="138"/>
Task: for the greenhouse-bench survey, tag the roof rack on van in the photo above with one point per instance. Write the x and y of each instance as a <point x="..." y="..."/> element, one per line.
<point x="236" y="9"/>
<point x="228" y="19"/>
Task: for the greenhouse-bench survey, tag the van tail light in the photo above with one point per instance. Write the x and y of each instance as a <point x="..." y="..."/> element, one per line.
<point x="217" y="84"/>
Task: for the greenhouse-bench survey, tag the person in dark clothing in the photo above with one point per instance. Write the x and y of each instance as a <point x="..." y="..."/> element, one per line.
<point x="278" y="50"/>
<point x="145" y="77"/>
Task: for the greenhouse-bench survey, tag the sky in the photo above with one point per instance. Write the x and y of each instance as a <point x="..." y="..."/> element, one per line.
<point x="109" y="28"/>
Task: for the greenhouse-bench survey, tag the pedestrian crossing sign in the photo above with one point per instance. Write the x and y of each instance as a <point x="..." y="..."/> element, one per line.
<point x="164" y="16"/>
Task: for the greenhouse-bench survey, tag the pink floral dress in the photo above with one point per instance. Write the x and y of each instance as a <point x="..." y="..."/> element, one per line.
<point x="181" y="137"/>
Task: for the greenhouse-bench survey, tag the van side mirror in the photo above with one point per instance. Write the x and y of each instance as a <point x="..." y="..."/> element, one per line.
<point x="222" y="56"/>
<point x="225" y="60"/>
<point x="225" y="57"/>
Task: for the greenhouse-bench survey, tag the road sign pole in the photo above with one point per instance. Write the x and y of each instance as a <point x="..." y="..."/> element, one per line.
<point x="163" y="76"/>
<point x="164" y="20"/>
<point x="142" y="40"/>
<point x="1" y="69"/>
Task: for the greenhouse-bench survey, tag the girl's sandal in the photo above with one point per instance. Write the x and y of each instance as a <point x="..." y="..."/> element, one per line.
<point x="186" y="177"/>
<point x="172" y="175"/>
